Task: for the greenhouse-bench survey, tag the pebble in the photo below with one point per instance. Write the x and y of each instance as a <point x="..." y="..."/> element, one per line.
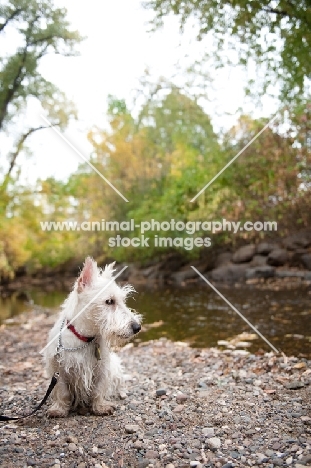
<point x="296" y="384"/>
<point x="161" y="392"/>
<point x="214" y="443"/>
<point x="277" y="462"/>
<point x="181" y="398"/>
<point x="31" y="462"/>
<point x="208" y="431"/>
<point x="138" y="444"/>
<point x="179" y="409"/>
<point x="276" y="446"/>
<point x="294" y="448"/>
<point x="131" y="428"/>
<point x="306" y="459"/>
<point x="261" y="458"/>
<point x="151" y="454"/>
<point x="72" y="447"/>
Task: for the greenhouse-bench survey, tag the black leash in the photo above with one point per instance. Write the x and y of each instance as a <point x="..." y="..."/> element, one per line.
<point x="46" y="396"/>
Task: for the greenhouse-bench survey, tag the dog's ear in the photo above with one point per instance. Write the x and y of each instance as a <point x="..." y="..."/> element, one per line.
<point x="88" y="274"/>
<point x="109" y="269"/>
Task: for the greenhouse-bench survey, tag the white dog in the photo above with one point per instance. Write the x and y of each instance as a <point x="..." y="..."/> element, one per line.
<point x="94" y="318"/>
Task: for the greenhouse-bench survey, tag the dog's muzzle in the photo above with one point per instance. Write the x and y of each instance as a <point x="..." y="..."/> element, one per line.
<point x="136" y="327"/>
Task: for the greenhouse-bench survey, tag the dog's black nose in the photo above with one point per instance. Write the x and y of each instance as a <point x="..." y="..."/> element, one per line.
<point x="136" y="327"/>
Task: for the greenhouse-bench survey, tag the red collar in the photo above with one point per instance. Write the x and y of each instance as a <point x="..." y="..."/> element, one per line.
<point x="86" y="339"/>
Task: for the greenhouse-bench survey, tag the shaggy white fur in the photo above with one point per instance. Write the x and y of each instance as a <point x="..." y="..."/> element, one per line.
<point x="84" y="380"/>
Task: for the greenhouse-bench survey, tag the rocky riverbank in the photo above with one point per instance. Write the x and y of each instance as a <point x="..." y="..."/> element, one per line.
<point x="285" y="260"/>
<point x="289" y="257"/>
<point x="185" y="407"/>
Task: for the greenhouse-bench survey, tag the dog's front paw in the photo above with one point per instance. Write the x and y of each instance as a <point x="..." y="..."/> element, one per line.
<point x="56" y="411"/>
<point x="103" y="409"/>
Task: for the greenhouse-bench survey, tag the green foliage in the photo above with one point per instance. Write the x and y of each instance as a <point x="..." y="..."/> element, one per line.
<point x="13" y="247"/>
<point x="37" y="28"/>
<point x="276" y="34"/>
<point x="30" y="30"/>
<point x="160" y="158"/>
<point x="164" y="157"/>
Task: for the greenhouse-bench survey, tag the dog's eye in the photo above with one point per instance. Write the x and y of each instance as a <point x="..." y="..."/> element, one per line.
<point x="110" y="301"/>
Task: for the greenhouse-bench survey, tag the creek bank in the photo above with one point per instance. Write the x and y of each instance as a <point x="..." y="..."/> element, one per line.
<point x="286" y="259"/>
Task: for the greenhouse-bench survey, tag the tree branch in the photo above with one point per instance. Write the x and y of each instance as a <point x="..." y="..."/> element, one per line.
<point x="15" y="154"/>
<point x="285" y="13"/>
<point x="17" y="79"/>
<point x="10" y="18"/>
<point x="277" y="12"/>
<point x="15" y="85"/>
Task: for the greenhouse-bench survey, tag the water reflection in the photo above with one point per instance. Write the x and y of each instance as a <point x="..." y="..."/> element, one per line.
<point x="197" y="315"/>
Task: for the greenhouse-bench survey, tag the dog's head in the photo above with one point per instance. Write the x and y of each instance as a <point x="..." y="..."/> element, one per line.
<point x="104" y="303"/>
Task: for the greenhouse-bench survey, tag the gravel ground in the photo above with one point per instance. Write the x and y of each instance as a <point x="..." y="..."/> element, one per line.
<point x="185" y="408"/>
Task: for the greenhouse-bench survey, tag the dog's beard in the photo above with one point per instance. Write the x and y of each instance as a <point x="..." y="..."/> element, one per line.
<point x="117" y="341"/>
<point x="111" y="336"/>
<point x="114" y="339"/>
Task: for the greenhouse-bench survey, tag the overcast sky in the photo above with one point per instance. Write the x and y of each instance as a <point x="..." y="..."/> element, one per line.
<point x="114" y="55"/>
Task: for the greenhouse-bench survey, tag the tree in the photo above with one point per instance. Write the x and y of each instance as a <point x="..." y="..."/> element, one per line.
<point x="159" y="158"/>
<point x="271" y="178"/>
<point x="37" y="28"/>
<point x="275" y="33"/>
<point x="171" y="132"/>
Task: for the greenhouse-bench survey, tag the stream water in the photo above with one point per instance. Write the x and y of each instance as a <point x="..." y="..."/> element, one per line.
<point x="197" y="315"/>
